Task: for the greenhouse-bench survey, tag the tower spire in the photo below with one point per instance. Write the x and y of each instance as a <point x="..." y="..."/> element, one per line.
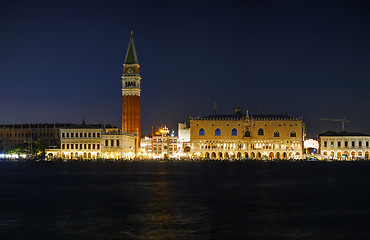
<point x="131" y="57"/>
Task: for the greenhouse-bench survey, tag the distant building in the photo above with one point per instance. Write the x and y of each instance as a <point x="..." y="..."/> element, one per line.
<point x="164" y="145"/>
<point x="12" y="135"/>
<point x="344" y="145"/>
<point x="93" y="141"/>
<point x="246" y="136"/>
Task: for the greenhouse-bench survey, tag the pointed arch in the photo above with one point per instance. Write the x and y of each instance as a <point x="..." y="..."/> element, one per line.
<point x="201" y="132"/>
<point x="260" y="132"/>
<point x="247" y="133"/>
<point x="276" y="133"/>
<point x="217" y="132"/>
<point x="234" y="132"/>
<point x="293" y="133"/>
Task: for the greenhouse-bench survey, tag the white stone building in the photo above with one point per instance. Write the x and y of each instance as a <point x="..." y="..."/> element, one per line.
<point x="93" y="142"/>
<point x="344" y="145"/>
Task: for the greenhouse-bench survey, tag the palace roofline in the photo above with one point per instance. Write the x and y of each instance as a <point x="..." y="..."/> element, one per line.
<point x="241" y="116"/>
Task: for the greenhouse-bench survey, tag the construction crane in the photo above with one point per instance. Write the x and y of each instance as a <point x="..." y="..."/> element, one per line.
<point x="336" y="120"/>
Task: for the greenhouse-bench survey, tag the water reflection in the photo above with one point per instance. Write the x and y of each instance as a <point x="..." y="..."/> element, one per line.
<point x="183" y="201"/>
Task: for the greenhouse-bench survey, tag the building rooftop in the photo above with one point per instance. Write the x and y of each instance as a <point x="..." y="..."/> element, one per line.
<point x="53" y="125"/>
<point x="341" y="134"/>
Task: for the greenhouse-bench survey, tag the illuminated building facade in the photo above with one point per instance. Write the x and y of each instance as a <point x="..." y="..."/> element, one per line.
<point x="146" y="149"/>
<point x="183" y="140"/>
<point x="241" y="136"/>
<point x="344" y="145"/>
<point x="93" y="142"/>
<point x="164" y="144"/>
<point x="131" y="89"/>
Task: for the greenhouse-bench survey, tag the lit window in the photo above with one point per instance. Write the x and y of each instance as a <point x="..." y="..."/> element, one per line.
<point x="201" y="132"/>
<point x="234" y="132"/>
<point x="260" y="131"/>
<point x="332" y="143"/>
<point x="217" y="132"/>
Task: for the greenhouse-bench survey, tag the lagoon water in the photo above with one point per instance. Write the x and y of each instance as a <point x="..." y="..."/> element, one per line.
<point x="184" y="200"/>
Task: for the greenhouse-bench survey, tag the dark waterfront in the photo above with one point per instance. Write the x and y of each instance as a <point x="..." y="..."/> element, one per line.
<point x="184" y="200"/>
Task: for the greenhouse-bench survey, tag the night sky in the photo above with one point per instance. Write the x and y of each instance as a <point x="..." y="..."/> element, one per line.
<point x="61" y="61"/>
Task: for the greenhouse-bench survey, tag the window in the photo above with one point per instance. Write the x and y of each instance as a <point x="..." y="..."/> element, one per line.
<point x="85" y="135"/>
<point x="80" y="146"/>
<point x="98" y="135"/>
<point x="217" y="132"/>
<point x="93" y="146"/>
<point x="325" y="143"/>
<point x="247" y="134"/>
<point x="112" y="142"/>
<point x="339" y="143"/>
<point x="332" y="144"/>
<point x="71" y="146"/>
<point x="367" y="144"/>
<point x="234" y="132"/>
<point x="106" y="143"/>
<point x="67" y="135"/>
<point x="72" y="135"/>
<point x="63" y="135"/>
<point x="276" y="134"/>
<point x="201" y="132"/>
<point x="360" y="143"/>
<point x="62" y="146"/>
<point x="117" y="143"/>
<point x="80" y="135"/>
<point x="97" y="146"/>
<point x="293" y="134"/>
<point x="89" y="146"/>
<point x="353" y="143"/>
<point x="260" y="132"/>
<point x="345" y="143"/>
<point x="89" y="135"/>
<point x="93" y="135"/>
<point x="76" y="146"/>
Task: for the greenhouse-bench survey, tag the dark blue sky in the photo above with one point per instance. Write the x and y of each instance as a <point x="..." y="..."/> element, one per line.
<point x="61" y="61"/>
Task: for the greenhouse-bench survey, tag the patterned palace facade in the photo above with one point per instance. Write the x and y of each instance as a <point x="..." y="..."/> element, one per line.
<point x="244" y="136"/>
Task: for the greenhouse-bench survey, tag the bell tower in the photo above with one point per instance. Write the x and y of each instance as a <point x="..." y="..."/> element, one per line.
<point x="131" y="81"/>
